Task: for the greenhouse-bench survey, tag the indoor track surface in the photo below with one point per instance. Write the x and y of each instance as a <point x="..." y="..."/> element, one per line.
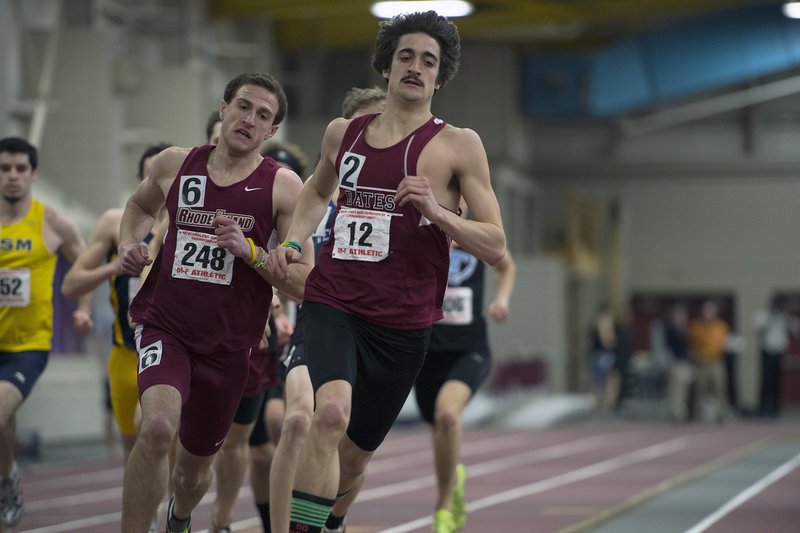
<point x="611" y="476"/>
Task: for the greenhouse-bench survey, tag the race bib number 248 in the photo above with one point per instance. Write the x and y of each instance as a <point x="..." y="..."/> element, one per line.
<point x="198" y="257"/>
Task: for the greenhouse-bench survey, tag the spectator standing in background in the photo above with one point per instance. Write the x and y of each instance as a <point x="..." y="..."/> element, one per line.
<point x="708" y="336"/>
<point x="676" y="339"/>
<point x="775" y="326"/>
<point x="602" y="355"/>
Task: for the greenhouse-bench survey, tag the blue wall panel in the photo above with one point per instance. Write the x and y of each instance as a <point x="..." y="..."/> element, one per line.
<point x="556" y="85"/>
<point x="699" y="55"/>
<point x="620" y="79"/>
<point x="695" y="57"/>
<point x="767" y="46"/>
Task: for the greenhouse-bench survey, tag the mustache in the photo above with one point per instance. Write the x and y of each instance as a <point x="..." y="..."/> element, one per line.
<point x="12" y="199"/>
<point x="412" y="77"/>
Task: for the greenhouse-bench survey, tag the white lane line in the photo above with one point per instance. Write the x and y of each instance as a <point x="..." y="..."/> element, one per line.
<point x="72" y="480"/>
<point x="746" y="494"/>
<point x="468" y="449"/>
<point x="603" y="467"/>
<point x="490" y="467"/>
<point x="115" y="493"/>
<point x="479" y="469"/>
<point x="78" y="525"/>
<point x="422" y="439"/>
<point x="382" y="464"/>
<point x="111" y="493"/>
<point x="537" y="455"/>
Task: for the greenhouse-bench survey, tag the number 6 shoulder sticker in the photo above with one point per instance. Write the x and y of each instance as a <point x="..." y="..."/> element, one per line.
<point x="150" y="356"/>
<point x="192" y="192"/>
<point x="349" y="169"/>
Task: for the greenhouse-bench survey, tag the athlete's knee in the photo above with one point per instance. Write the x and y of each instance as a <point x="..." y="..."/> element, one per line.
<point x="447" y="418"/>
<point x="234" y="450"/>
<point x="261" y="456"/>
<point x="296" y="425"/>
<point x="274" y="428"/>
<point x="6" y="425"/>
<point x="191" y="479"/>
<point x="332" y="416"/>
<point x="157" y="433"/>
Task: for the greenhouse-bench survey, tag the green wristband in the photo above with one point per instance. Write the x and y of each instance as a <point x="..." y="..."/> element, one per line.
<point x="293" y="244"/>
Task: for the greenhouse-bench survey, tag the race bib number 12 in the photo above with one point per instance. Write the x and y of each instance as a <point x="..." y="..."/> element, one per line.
<point x="361" y="235"/>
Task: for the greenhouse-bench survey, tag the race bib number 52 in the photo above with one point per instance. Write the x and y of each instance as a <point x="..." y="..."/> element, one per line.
<point x="15" y="287"/>
<point x="198" y="257"/>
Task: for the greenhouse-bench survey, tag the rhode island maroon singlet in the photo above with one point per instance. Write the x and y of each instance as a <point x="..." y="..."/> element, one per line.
<point x="202" y="294"/>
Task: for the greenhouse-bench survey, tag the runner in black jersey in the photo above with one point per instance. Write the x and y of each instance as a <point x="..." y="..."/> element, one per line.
<point x="457" y="364"/>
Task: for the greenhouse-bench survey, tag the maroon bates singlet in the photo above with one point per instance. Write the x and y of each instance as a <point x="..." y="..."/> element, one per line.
<point x="383" y="263"/>
<point x="204" y="295"/>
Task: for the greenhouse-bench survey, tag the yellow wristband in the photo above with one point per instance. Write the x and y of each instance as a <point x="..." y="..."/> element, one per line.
<point x="252" y="251"/>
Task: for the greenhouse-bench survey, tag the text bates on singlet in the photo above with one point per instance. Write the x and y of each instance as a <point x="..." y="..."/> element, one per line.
<point x="15" y="287"/>
<point x="457" y="306"/>
<point x="197" y="255"/>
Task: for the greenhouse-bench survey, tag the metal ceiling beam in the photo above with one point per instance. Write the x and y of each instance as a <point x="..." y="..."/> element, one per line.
<point x="708" y="107"/>
<point x="341" y="23"/>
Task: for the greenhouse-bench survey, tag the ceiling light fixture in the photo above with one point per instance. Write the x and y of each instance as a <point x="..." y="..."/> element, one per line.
<point x="792" y="10"/>
<point x="446" y="8"/>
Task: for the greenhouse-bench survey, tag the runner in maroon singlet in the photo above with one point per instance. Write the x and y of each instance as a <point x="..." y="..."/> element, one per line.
<point x="379" y="282"/>
<point x="207" y="297"/>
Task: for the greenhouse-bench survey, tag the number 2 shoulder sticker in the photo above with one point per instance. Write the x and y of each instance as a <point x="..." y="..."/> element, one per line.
<point x="349" y="170"/>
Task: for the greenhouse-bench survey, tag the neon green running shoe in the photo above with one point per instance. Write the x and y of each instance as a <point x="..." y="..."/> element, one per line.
<point x="457" y="498"/>
<point x="443" y="522"/>
<point x="170" y="514"/>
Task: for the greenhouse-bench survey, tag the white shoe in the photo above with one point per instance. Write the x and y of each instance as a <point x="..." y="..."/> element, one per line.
<point x="12" y="505"/>
<point x="154" y="524"/>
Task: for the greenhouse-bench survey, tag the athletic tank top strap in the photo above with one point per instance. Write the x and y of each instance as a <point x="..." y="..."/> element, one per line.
<point x="356" y="130"/>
